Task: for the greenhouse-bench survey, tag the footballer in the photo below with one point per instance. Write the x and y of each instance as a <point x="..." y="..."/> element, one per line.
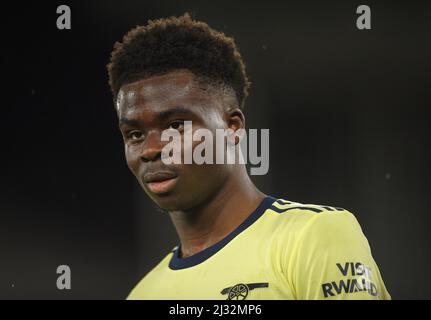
<point x="235" y="242"/>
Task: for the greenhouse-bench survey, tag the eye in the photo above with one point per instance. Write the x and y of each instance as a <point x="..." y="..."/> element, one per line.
<point x="176" y="125"/>
<point x="135" y="135"/>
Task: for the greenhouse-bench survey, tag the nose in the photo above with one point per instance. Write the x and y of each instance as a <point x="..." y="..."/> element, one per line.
<point x="152" y="147"/>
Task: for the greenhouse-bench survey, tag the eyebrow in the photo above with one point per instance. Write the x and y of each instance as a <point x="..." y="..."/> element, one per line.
<point x="128" y="122"/>
<point x="176" y="111"/>
<point x="161" y="116"/>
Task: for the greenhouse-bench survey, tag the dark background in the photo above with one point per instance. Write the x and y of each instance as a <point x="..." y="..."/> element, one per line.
<point x="347" y="111"/>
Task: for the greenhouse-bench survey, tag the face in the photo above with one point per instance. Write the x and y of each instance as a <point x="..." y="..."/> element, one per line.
<point x="148" y="107"/>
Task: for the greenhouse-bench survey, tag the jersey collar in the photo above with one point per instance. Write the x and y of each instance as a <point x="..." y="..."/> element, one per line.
<point x="177" y="263"/>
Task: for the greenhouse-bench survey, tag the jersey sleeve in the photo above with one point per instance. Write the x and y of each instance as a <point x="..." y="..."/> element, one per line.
<point x="332" y="260"/>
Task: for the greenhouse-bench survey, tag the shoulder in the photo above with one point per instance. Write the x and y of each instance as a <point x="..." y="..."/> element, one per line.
<point x="313" y="222"/>
<point x="282" y="206"/>
<point x="303" y="214"/>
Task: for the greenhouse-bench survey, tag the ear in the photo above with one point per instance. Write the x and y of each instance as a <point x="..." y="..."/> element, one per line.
<point x="235" y="119"/>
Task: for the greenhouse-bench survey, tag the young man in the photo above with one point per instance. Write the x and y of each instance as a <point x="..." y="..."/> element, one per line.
<point x="235" y="242"/>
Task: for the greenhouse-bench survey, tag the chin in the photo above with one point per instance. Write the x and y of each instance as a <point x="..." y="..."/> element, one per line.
<point x="169" y="202"/>
<point x="175" y="202"/>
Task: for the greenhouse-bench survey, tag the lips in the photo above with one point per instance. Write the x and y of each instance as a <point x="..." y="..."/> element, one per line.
<point x="160" y="182"/>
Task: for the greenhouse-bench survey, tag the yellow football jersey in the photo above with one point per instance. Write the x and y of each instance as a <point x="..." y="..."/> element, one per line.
<point x="283" y="250"/>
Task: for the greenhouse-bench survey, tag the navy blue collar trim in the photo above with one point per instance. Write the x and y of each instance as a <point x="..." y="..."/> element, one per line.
<point x="177" y="263"/>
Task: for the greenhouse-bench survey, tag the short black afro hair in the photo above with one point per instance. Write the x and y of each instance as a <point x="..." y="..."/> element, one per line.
<point x="164" y="45"/>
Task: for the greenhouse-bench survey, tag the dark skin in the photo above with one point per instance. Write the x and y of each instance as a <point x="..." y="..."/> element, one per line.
<point x="205" y="202"/>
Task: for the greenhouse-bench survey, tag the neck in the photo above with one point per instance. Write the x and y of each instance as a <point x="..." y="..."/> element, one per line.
<point x="205" y="225"/>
